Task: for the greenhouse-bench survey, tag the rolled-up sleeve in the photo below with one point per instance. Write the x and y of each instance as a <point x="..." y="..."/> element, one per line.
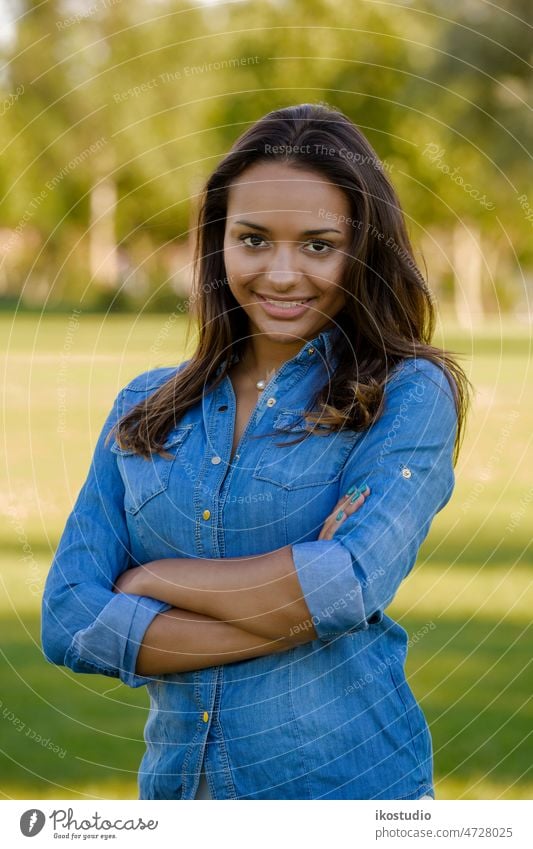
<point x="85" y="625"/>
<point x="406" y="458"/>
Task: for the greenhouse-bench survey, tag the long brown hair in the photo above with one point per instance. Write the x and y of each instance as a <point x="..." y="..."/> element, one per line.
<point x="389" y="313"/>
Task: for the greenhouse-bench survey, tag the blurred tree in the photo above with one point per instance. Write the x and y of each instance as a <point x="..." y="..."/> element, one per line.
<point x="474" y="163"/>
<point x="126" y="108"/>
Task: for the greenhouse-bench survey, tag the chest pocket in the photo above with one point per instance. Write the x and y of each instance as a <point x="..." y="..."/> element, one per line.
<point x="145" y="478"/>
<point x="315" y="461"/>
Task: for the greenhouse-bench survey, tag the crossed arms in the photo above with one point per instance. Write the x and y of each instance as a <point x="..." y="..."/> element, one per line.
<point x="221" y="613"/>
<point x="100" y="615"/>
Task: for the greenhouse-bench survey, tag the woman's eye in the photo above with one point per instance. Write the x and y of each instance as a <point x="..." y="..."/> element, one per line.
<point x="251" y="236"/>
<point x="320" y="244"/>
<point x="324" y="247"/>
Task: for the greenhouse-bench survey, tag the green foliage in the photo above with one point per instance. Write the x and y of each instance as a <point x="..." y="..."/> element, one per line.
<point x="150" y="97"/>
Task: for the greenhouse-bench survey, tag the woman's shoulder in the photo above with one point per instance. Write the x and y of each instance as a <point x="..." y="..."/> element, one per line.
<point x="422" y="373"/>
<point x="149" y="381"/>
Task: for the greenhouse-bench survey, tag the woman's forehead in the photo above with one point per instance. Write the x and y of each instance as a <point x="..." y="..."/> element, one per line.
<point x="265" y="195"/>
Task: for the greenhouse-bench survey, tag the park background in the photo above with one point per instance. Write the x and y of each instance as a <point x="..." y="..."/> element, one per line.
<point x="113" y="114"/>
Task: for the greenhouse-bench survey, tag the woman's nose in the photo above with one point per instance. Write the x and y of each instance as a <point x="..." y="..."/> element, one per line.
<point x="283" y="265"/>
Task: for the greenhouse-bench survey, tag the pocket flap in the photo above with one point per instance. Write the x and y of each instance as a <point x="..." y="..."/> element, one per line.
<point x="146" y="477"/>
<point x="294" y="420"/>
<point x="297" y="462"/>
<point x="175" y="437"/>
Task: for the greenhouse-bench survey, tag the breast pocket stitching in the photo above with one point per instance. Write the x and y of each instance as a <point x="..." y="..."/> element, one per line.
<point x="145" y="478"/>
<point x="316" y="461"/>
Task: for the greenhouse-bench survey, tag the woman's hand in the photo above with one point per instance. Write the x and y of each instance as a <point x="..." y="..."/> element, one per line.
<point x="350" y="502"/>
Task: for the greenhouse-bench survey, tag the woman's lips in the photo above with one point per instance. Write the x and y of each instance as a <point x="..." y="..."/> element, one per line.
<point x="281" y="311"/>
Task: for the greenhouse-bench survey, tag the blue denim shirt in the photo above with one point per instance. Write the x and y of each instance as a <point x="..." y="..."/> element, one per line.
<point x="333" y="718"/>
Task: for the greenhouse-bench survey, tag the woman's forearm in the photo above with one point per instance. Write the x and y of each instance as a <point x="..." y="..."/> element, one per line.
<point x="180" y="641"/>
<point x="259" y="594"/>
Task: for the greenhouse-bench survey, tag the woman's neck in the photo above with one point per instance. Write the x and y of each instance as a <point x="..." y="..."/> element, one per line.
<point x="262" y="357"/>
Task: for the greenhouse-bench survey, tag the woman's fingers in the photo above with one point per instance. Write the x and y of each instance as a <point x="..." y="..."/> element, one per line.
<point x="352" y="501"/>
<point x="347" y="505"/>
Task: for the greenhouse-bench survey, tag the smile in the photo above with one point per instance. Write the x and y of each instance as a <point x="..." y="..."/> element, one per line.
<point x="275" y="306"/>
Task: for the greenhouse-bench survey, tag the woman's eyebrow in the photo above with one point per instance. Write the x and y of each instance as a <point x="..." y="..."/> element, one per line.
<point x="304" y="232"/>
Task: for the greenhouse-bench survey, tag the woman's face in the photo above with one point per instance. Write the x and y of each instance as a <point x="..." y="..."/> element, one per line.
<point x="283" y="242"/>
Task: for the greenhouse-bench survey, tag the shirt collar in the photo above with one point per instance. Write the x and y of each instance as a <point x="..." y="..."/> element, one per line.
<point x="324" y="343"/>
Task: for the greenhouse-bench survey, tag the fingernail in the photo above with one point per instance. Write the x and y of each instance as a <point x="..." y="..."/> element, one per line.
<point x="355" y="496"/>
<point x="339" y="515"/>
<point x="363" y="486"/>
<point x="352" y="489"/>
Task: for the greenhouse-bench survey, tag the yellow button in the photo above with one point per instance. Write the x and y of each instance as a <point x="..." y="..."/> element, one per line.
<point x="406" y="472"/>
<point x="206" y="514"/>
<point x="205" y="717"/>
<point x="271" y="402"/>
<point x="310" y="350"/>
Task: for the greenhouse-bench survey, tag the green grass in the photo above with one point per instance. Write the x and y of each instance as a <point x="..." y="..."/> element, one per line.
<point x="471" y="584"/>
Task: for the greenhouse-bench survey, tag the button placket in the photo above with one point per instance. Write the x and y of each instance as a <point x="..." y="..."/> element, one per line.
<point x="300" y="366"/>
<point x="210" y="485"/>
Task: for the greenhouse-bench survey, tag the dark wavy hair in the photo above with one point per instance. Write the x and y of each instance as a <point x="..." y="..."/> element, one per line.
<point x="389" y="313"/>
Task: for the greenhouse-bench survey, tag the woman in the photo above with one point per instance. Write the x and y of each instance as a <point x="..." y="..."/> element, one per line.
<point x="249" y="515"/>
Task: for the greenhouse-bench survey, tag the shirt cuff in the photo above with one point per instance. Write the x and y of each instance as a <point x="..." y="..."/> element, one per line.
<point x="332" y="592"/>
<point x="110" y="645"/>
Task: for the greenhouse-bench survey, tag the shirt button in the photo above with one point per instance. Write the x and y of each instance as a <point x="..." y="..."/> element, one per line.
<point x="406" y="473"/>
<point x="222" y="408"/>
<point x="216" y="460"/>
<point x="206" y="514"/>
<point x="271" y="402"/>
<point x="310" y="350"/>
<point x="205" y="716"/>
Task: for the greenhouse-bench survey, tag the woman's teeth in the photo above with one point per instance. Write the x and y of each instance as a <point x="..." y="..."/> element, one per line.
<point x="286" y="304"/>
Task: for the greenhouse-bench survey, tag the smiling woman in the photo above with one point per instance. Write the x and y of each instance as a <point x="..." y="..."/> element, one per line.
<point x="250" y="513"/>
<point x="277" y="266"/>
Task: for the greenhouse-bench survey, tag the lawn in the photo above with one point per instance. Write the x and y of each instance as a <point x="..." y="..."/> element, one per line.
<point x="466" y="605"/>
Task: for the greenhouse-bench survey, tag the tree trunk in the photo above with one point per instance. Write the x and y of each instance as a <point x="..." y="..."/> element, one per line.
<point x="103" y="247"/>
<point x="467" y="261"/>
